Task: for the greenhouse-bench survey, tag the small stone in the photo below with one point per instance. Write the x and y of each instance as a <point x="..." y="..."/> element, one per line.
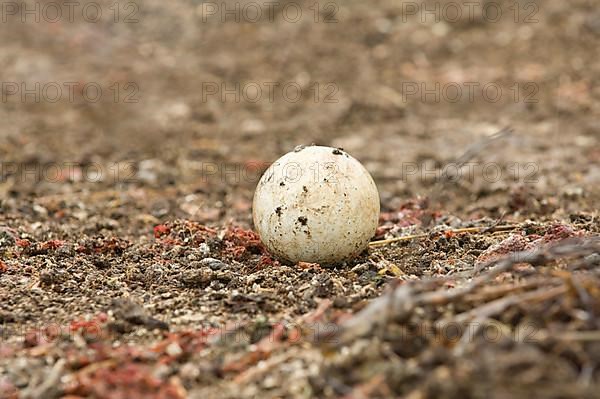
<point x="213" y="263"/>
<point x="173" y="349"/>
<point x="204" y="248"/>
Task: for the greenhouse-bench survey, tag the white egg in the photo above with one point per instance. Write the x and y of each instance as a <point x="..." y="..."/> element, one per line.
<point x="316" y="204"/>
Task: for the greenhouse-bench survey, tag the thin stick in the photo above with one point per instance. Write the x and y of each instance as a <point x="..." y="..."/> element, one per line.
<point x="407" y="297"/>
<point x="496" y="306"/>
<point x="467" y="156"/>
<point x="396" y="239"/>
<point x="593" y="335"/>
<point x="482" y="229"/>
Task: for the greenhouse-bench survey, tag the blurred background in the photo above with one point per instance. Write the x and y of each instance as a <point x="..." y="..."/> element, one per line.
<point x="196" y="98"/>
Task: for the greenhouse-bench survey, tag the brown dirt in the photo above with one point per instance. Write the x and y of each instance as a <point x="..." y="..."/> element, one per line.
<point x="147" y="281"/>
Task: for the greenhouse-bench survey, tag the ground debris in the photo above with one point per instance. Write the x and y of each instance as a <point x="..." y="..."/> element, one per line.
<point x="129" y="267"/>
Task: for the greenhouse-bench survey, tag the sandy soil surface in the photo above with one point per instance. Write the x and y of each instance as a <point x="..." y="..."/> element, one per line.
<point x="133" y="134"/>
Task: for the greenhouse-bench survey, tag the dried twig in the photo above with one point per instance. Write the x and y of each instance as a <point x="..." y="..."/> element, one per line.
<point x="586" y="300"/>
<point x="468" y="155"/>
<point x="478" y="147"/>
<point x="407" y="297"/>
<point x="481" y="229"/>
<point x="49" y="386"/>
<point x="497" y="306"/>
<point x="593" y="335"/>
<point x="495" y="224"/>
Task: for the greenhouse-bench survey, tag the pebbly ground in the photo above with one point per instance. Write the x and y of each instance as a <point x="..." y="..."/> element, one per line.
<point x="129" y="265"/>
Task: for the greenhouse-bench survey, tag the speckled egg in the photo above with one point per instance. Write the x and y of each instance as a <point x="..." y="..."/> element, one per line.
<point x="316" y="204"/>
